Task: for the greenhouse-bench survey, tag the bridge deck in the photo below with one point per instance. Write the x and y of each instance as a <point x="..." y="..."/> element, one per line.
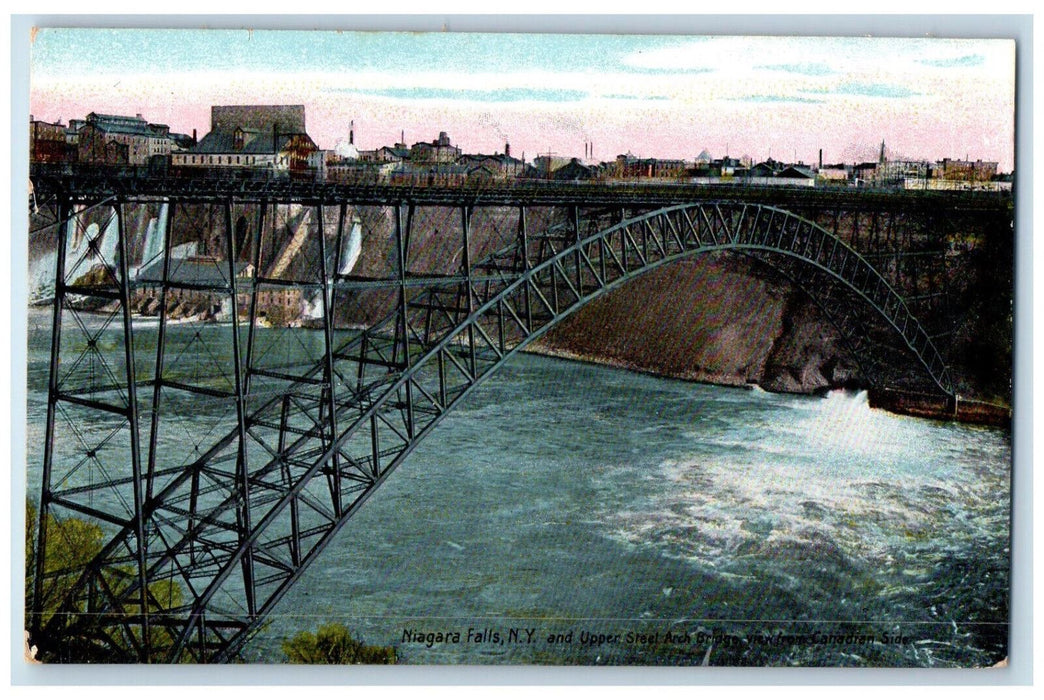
<point x="513" y="193"/>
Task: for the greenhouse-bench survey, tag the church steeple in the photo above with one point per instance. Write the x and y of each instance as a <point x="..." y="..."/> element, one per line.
<point x="881" y="158"/>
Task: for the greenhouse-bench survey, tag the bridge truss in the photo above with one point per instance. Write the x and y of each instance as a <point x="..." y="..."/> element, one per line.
<point x="282" y="432"/>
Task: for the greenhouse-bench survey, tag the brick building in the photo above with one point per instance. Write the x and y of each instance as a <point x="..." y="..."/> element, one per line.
<point x="47" y="142"/>
<point x="110" y="139"/>
<point x="438" y="151"/>
<point x="964" y="170"/>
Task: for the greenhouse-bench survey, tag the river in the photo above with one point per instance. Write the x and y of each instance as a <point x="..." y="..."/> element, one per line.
<point x="573" y="513"/>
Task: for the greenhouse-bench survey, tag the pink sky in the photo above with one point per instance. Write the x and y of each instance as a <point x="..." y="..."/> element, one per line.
<point x="784" y="97"/>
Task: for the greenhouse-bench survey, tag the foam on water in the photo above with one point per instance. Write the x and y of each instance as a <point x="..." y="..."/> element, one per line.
<point x="553" y="502"/>
<point x="833" y="468"/>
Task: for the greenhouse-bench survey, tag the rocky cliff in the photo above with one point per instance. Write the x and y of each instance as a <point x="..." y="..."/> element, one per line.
<point x="715" y="319"/>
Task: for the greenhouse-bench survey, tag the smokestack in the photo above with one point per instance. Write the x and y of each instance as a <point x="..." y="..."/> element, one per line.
<point x="507" y="150"/>
<point x="820" y="158"/>
<point x="351" y="132"/>
<point x="193" y="136"/>
<point x="402" y="137"/>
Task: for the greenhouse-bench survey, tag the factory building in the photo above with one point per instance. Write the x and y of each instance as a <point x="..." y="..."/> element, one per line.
<point x="110" y="139"/>
<point x="268" y="137"/>
<point x="47" y="142"/>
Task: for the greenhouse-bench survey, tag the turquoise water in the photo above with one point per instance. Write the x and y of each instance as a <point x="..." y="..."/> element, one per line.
<point x="571" y="513"/>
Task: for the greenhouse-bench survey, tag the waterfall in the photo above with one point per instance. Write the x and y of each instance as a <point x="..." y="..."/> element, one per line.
<point x="43" y="270"/>
<point x="185" y="250"/>
<point x="225" y="314"/>
<point x="109" y="240"/>
<point x="154" y="235"/>
<point x="41" y="279"/>
<point x="352" y="250"/>
<point x="313" y="309"/>
<point x="161" y="225"/>
<point x="40" y="282"/>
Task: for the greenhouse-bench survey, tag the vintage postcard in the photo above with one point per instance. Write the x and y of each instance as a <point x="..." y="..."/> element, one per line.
<point x="532" y="349"/>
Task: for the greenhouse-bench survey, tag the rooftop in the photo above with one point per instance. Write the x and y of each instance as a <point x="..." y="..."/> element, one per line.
<point x="118" y="124"/>
<point x="224" y="141"/>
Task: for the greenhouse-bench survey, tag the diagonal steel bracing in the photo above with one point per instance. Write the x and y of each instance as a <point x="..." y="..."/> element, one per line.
<point x="199" y="547"/>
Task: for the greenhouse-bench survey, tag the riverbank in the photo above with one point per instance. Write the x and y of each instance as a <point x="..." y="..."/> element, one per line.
<point x="963" y="410"/>
<point x="539" y="347"/>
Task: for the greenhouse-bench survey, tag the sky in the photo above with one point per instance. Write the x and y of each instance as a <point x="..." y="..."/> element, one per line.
<point x="651" y="96"/>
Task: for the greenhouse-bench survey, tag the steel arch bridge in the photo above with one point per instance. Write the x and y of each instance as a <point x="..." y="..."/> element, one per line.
<point x="200" y="547"/>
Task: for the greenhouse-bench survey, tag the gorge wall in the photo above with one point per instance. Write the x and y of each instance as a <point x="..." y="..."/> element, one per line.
<point x="720" y="318"/>
<point x="714" y="319"/>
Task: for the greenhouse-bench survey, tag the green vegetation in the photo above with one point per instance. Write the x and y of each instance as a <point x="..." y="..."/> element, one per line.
<point x="71" y="544"/>
<point x="333" y="644"/>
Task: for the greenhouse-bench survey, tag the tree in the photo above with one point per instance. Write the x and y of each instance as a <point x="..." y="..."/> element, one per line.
<point x="333" y="644"/>
<point x="71" y="544"/>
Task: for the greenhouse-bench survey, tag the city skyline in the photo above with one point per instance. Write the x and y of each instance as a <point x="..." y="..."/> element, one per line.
<point x="652" y="96"/>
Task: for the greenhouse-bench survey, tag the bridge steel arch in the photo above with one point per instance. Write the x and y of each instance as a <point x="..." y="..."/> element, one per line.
<point x="242" y="521"/>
